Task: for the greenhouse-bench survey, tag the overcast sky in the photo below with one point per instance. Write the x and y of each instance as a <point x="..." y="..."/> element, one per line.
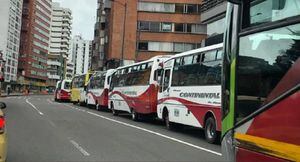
<point x="84" y="16"/>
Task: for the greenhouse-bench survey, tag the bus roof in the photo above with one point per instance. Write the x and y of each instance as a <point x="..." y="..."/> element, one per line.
<point x="203" y="49"/>
<point x="146" y="61"/>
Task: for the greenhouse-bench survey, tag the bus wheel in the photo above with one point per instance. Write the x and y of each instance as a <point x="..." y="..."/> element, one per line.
<point x="114" y="112"/>
<point x="168" y="124"/>
<point x="97" y="107"/>
<point x="134" y="115"/>
<point x="210" y="130"/>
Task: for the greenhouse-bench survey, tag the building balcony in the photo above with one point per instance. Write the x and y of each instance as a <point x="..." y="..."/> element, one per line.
<point x="107" y="4"/>
<point x="53" y="76"/>
<point x="212" y="10"/>
<point x="54" y="63"/>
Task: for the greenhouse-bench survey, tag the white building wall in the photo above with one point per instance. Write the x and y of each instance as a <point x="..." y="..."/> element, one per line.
<point x="60" y="40"/>
<point x="10" y="29"/>
<point x="80" y="55"/>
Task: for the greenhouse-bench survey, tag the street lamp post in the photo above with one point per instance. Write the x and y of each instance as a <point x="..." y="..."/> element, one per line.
<point x="124" y="29"/>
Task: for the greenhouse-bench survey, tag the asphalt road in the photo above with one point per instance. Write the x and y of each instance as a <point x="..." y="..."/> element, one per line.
<point x="42" y="130"/>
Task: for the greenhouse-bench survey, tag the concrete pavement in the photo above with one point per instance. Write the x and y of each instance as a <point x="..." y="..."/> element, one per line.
<point x="42" y="130"/>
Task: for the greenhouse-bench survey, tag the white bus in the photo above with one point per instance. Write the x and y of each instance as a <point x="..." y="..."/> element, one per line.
<point x="190" y="91"/>
<point x="97" y="89"/>
<point x="134" y="88"/>
<point x="62" y="90"/>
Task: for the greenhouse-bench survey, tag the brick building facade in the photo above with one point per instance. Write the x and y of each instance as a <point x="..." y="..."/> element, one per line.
<point x="137" y="30"/>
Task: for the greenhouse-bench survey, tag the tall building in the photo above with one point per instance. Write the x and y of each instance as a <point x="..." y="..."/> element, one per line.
<point x="81" y="51"/>
<point x="98" y="58"/>
<point x="10" y="29"/>
<point x="60" y="39"/>
<point x="137" y="30"/>
<point x="34" y="46"/>
<point x="213" y="15"/>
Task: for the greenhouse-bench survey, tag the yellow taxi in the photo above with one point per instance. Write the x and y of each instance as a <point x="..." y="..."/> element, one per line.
<point x="3" y="137"/>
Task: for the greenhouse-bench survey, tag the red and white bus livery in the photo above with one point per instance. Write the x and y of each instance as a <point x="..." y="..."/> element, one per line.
<point x="97" y="89"/>
<point x="63" y="91"/>
<point x="190" y="91"/>
<point x="134" y="88"/>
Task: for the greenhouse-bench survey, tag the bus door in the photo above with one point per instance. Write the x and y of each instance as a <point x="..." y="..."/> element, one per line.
<point x="165" y="89"/>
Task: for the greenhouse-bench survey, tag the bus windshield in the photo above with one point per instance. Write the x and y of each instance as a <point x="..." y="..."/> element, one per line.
<point x="270" y="67"/>
<point x="264" y="11"/>
<point x="67" y="85"/>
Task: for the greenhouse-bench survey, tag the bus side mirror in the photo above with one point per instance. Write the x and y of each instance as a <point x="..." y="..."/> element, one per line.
<point x="2" y="105"/>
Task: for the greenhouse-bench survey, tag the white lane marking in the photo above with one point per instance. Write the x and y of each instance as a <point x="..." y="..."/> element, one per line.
<point x="78" y="147"/>
<point x="48" y="100"/>
<point x="27" y="101"/>
<point x="152" y="132"/>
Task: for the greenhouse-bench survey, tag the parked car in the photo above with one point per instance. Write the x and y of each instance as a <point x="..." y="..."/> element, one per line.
<point x="3" y="136"/>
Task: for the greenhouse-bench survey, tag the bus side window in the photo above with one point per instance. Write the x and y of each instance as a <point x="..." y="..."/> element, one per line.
<point x="108" y="79"/>
<point x="166" y="79"/>
<point x="196" y="59"/>
<point x="157" y="75"/>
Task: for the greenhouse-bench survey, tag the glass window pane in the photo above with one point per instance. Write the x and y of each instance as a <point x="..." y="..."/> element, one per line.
<point x="263" y="11"/>
<point x="178" y="47"/>
<point x="166" y="27"/>
<point x="179" y="27"/>
<point x="179" y="8"/>
<point x="154" y="26"/>
<point x="187" y="60"/>
<point x="154" y="46"/>
<point x="143" y="46"/>
<point x="209" y="56"/>
<point x="270" y="67"/>
<point x="144" y="25"/>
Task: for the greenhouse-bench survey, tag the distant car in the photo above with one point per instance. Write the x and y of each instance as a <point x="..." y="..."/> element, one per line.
<point x="3" y="136"/>
<point x="63" y="91"/>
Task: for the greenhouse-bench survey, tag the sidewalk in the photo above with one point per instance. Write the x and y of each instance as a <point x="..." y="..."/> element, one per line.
<point x="22" y="94"/>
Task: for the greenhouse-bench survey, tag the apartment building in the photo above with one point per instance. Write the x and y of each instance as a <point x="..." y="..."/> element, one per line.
<point x="34" y="45"/>
<point x="60" y="39"/>
<point x="213" y="15"/>
<point x="81" y="51"/>
<point x="98" y="58"/>
<point x="10" y="29"/>
<point x="136" y="30"/>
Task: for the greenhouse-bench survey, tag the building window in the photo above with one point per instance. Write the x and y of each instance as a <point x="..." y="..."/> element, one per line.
<point x="154" y="26"/>
<point x="179" y="27"/>
<point x="156" y="7"/>
<point x="182" y="47"/>
<point x="198" y="28"/>
<point x="143" y="46"/>
<point x="144" y="25"/>
<point x="179" y="8"/>
<point x="166" y="27"/>
<point x="166" y="46"/>
<point x="160" y="46"/>
<point x="191" y="9"/>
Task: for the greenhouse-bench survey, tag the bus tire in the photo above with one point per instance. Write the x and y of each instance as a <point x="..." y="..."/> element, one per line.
<point x="134" y="115"/>
<point x="210" y="130"/>
<point x="114" y="112"/>
<point x="169" y="125"/>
